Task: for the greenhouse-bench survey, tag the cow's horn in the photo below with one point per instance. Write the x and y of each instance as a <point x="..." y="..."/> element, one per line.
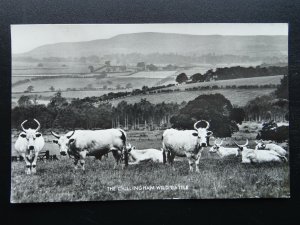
<point x="55" y="134"/>
<point x="236" y="144"/>
<point x="22" y="125"/>
<point x="195" y="124"/>
<point x="246" y="143"/>
<point x="71" y="135"/>
<point x="221" y="142"/>
<point x="39" y="125"/>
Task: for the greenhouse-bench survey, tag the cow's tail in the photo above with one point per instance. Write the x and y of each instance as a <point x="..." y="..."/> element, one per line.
<point x="125" y="151"/>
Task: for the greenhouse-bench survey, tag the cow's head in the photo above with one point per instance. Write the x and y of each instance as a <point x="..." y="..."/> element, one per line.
<point x="30" y="136"/>
<point x="129" y="147"/>
<point x="64" y="141"/>
<point x="202" y="133"/>
<point x="241" y="148"/>
<point x="216" y="147"/>
<point x="260" y="145"/>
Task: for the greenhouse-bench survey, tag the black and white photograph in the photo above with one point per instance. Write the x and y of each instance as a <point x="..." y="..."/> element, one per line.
<point x="103" y="112"/>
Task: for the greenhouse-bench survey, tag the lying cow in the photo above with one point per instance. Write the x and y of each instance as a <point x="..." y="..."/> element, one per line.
<point x="82" y="143"/>
<point x="189" y="143"/>
<point x="270" y="146"/>
<point x="29" y="143"/>
<point x="222" y="151"/>
<point x="144" y="155"/>
<point x="261" y="156"/>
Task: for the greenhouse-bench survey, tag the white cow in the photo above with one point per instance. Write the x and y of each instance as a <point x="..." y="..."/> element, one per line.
<point x="29" y="143"/>
<point x="189" y="143"/>
<point x="261" y="156"/>
<point x="144" y="155"/>
<point x="82" y="143"/>
<point x="222" y="151"/>
<point x="270" y="146"/>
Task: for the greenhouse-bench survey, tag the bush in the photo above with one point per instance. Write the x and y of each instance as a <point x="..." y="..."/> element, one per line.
<point x="271" y="131"/>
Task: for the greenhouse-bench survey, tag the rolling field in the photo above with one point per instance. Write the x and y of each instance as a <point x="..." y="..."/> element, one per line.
<point x="64" y="83"/>
<point x="238" y="97"/>
<point x="227" y="178"/>
<point x="238" y="82"/>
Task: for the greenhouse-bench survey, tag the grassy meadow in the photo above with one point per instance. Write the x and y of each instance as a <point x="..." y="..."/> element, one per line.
<point x="218" y="178"/>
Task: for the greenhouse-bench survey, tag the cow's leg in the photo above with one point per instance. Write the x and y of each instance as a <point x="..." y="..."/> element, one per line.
<point x="33" y="164"/>
<point x="76" y="159"/>
<point x="191" y="161"/>
<point x="28" y="164"/>
<point x="198" y="160"/>
<point x="117" y="156"/>
<point x="171" y="157"/>
<point x="82" y="158"/>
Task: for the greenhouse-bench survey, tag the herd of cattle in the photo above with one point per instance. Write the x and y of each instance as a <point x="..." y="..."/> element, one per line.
<point x="79" y="144"/>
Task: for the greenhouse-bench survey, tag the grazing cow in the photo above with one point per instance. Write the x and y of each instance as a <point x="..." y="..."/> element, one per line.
<point x="82" y="143"/>
<point x="144" y="155"/>
<point x="223" y="152"/>
<point x="270" y="146"/>
<point x="261" y="156"/>
<point x="189" y="143"/>
<point x="29" y="143"/>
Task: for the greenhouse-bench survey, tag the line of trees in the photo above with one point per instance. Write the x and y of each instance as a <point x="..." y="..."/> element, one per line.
<point x="238" y="72"/>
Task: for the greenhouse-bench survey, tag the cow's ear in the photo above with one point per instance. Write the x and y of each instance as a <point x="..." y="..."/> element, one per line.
<point x="55" y="141"/>
<point x="209" y="133"/>
<point x="38" y="134"/>
<point x="23" y="135"/>
<point x="71" y="140"/>
<point x="195" y="134"/>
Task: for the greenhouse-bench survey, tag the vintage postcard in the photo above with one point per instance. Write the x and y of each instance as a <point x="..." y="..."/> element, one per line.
<point x="149" y="111"/>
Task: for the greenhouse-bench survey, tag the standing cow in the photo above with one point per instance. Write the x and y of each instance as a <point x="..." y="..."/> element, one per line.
<point x="82" y="143"/>
<point x="187" y="143"/>
<point x="29" y="143"/>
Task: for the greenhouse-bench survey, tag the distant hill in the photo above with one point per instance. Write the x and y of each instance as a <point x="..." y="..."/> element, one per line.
<point x="165" y="43"/>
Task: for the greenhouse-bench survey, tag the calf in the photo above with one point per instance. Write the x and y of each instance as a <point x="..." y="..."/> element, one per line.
<point x="144" y="155"/>
<point x="29" y="143"/>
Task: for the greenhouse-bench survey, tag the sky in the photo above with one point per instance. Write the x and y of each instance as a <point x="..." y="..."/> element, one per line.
<point x="27" y="37"/>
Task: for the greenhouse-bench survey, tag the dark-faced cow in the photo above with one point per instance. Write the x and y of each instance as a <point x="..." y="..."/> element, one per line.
<point x="189" y="143"/>
<point x="82" y="143"/>
<point x="29" y="143"/>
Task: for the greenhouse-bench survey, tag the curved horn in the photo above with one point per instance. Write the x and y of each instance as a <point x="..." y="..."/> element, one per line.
<point x="39" y="125"/>
<point x="71" y="135"/>
<point x="236" y="144"/>
<point x="22" y="125"/>
<point x="55" y="134"/>
<point x="195" y="124"/>
<point x="246" y="143"/>
<point x="221" y="142"/>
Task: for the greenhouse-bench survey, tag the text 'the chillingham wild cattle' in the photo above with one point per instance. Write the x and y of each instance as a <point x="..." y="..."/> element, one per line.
<point x="187" y="143"/>
<point x="259" y="156"/>
<point x="82" y="143"/>
<point x="29" y="143"/>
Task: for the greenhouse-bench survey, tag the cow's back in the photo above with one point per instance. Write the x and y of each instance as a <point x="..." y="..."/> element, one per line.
<point x="98" y="139"/>
<point x="179" y="141"/>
